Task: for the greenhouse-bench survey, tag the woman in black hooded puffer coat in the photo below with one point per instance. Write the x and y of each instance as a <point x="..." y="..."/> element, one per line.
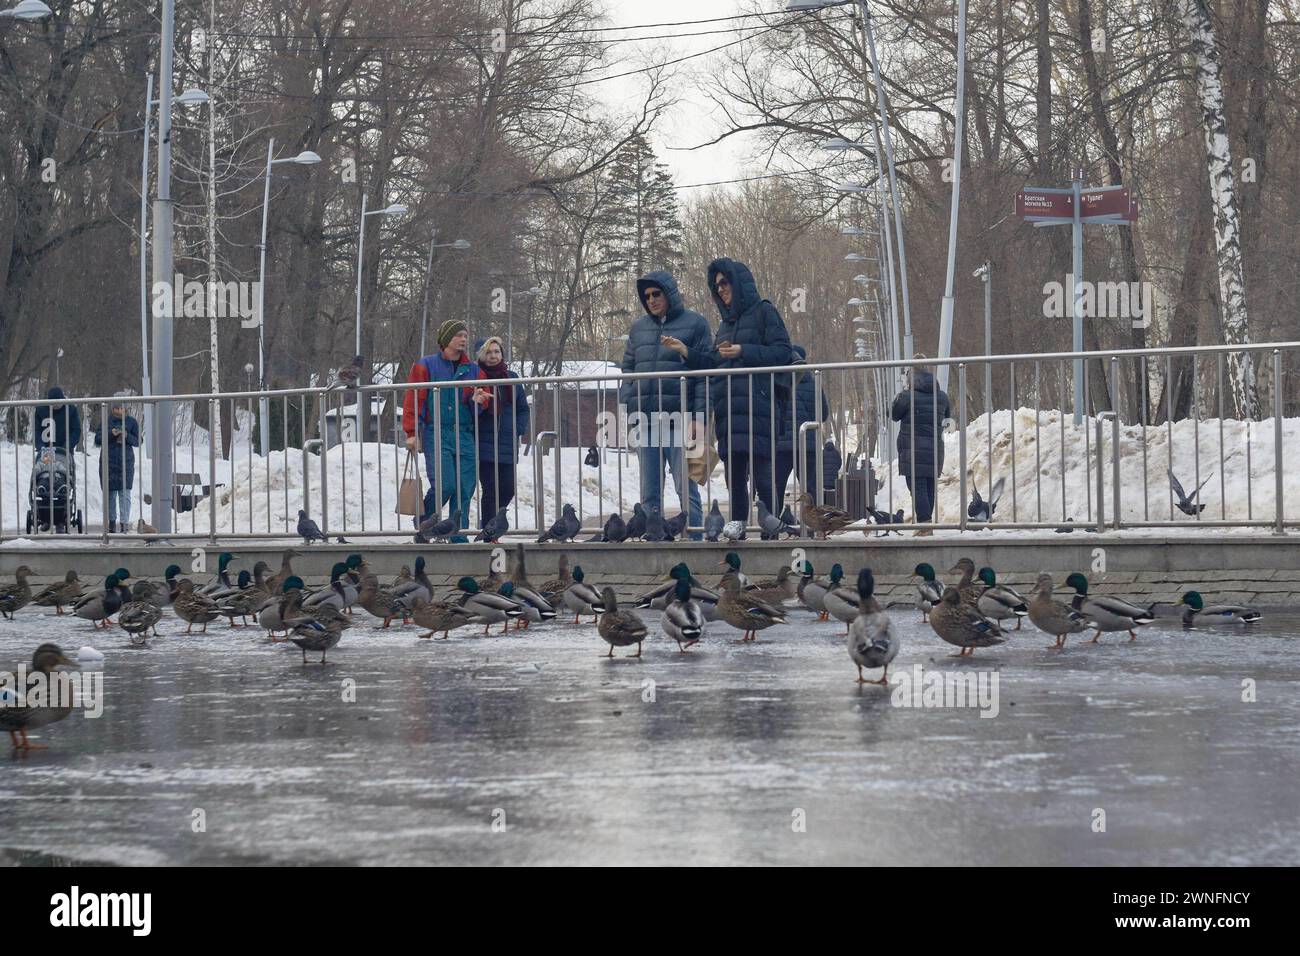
<point x="751" y="335"/>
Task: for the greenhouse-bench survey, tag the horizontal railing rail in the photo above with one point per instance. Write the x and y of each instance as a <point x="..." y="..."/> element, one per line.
<point x="339" y="453"/>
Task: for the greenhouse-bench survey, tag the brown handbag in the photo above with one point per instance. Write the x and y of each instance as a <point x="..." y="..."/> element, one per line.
<point x="410" y="499"/>
<point x="701" y="460"/>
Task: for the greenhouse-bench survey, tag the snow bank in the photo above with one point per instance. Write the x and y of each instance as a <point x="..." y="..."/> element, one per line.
<point x="1056" y="463"/>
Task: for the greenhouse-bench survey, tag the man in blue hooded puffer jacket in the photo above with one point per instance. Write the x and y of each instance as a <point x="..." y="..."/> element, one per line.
<point x="656" y="343"/>
<point x="751" y="335"/>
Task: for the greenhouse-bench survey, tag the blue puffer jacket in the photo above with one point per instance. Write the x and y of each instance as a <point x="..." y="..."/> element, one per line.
<point x="804" y="402"/>
<point x="500" y="425"/>
<point x="755" y="325"/>
<point x="645" y="354"/>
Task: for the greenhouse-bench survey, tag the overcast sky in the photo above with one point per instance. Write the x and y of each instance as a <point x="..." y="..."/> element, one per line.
<point x="693" y="119"/>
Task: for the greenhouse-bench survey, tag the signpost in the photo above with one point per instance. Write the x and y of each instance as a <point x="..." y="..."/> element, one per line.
<point x="1077" y="207"/>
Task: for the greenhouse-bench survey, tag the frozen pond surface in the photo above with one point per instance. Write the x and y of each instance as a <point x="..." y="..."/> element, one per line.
<point x="738" y="745"/>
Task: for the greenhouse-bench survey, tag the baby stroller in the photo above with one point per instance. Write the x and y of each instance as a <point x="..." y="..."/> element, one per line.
<point x="52" y="497"/>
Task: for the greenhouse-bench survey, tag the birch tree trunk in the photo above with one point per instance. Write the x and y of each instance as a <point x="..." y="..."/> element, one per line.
<point x="1227" y="225"/>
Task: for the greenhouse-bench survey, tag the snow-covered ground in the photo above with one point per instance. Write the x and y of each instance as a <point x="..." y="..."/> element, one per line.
<point x="1054" y="466"/>
<point x="1052" y="463"/>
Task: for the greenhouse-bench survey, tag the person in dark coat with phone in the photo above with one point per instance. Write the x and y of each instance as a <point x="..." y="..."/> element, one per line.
<point x="120" y="444"/>
<point x="921" y="409"/>
<point x="751" y="335"/>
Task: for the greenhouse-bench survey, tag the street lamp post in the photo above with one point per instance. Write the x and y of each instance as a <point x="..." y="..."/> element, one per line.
<point x="363" y="400"/>
<point x="163" y="272"/>
<point x="959" y="126"/>
<point x="146" y="388"/>
<point x="305" y="158"/>
<point x="460" y="244"/>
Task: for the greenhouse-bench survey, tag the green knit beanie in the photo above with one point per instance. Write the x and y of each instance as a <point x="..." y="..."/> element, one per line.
<point x="448" y="330"/>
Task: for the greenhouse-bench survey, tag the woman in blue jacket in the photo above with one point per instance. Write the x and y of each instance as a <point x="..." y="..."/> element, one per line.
<point x="751" y="335"/>
<point x="502" y="420"/>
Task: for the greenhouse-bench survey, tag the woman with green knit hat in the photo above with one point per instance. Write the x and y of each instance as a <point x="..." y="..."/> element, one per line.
<point x="440" y="421"/>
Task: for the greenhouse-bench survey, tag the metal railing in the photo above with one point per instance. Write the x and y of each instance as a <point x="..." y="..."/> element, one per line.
<point x="1148" y="413"/>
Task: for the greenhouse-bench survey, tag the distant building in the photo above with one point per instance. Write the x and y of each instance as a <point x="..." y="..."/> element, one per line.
<point x="581" y="403"/>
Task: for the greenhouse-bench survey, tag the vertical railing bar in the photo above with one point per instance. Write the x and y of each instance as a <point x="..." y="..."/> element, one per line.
<point x="306" y="472"/>
<point x="961" y="448"/>
<point x="1278" y="502"/>
<point x="103" y="471"/>
<point x="1146" y="481"/>
<point x="1218" y="390"/>
<point x="284" y="463"/>
<point x="1196" y="434"/>
<point x="683" y="491"/>
<point x="214" y="436"/>
<point x="559" y="449"/>
<point x="1115" y="447"/>
<point x="1087" y="437"/>
<point x="322" y="424"/>
<point x="1169" y="428"/>
<point x="1013" y="407"/>
<point x="1038" y="441"/>
<point x="1061" y="365"/>
<point x="820" y="444"/>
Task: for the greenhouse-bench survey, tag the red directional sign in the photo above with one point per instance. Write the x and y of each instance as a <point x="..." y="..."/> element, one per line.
<point x="1057" y="203"/>
<point x="1108" y="202"/>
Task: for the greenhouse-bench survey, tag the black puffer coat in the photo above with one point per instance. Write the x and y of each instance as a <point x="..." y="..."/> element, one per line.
<point x="755" y="325"/>
<point x="644" y="353"/>
<point x="916" y="408"/>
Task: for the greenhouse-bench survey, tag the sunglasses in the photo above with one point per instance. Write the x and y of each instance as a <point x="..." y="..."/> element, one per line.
<point x="654" y="294"/>
<point x="721" y="283"/>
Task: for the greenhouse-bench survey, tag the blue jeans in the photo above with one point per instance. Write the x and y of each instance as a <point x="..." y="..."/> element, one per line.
<point x="653" y="460"/>
<point x="119" y="506"/>
<point x="468" y="476"/>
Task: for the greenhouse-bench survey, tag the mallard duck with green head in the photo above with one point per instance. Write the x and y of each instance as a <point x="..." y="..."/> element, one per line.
<point x="60" y="594"/>
<point x="841" y="600"/>
<point x="929" y="592"/>
<point x="488" y="608"/>
<point x="999" y="602"/>
<point x="194" y="608"/>
<point x="1053" y="617"/>
<point x="745" y="614"/>
<point x="962" y="625"/>
<point x="340" y="592"/>
<point x="873" y="641"/>
<point x="99" y="606"/>
<point x="17" y="718"/>
<point x="1107" y="612"/>
<point x="683" y="618"/>
<point x="581" y="598"/>
<point x="812" y="592"/>
<point x="417" y="587"/>
<point x="1195" y="609"/>
<point x="731" y="566"/>
<point x="220" y="585"/>
<point x="619" y="628"/>
<point x="18" y="595"/>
